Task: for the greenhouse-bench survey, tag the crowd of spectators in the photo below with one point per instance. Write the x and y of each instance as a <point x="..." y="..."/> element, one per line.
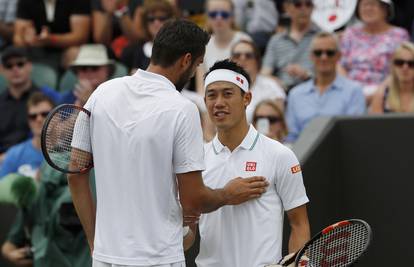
<point x="298" y="73"/>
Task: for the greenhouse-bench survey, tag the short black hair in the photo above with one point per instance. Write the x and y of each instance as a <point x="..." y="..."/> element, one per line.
<point x="229" y="65"/>
<point x="175" y="39"/>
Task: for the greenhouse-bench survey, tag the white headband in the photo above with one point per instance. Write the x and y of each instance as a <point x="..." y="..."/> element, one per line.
<point x="225" y="75"/>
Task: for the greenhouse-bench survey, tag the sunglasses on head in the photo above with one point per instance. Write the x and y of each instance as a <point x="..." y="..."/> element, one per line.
<point x="247" y="55"/>
<point x="10" y="65"/>
<point x="271" y="119"/>
<point x="33" y="116"/>
<point x="220" y="13"/>
<point x="327" y="52"/>
<point x="402" y="62"/>
<point x="307" y="4"/>
<point x="151" y="19"/>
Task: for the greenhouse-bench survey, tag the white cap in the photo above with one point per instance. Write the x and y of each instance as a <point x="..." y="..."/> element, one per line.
<point x="92" y="55"/>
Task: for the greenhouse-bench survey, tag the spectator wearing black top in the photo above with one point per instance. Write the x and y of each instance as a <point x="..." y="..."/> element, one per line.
<point x="52" y="24"/>
<point x="17" y="68"/>
<point x="7" y="17"/>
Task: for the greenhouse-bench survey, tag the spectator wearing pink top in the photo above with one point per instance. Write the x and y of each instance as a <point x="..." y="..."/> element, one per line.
<point x="367" y="48"/>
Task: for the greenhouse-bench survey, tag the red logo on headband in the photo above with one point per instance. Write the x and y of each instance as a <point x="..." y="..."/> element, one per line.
<point x="240" y="80"/>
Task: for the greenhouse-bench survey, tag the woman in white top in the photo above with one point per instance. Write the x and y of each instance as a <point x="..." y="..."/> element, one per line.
<point x="220" y="20"/>
<point x="247" y="55"/>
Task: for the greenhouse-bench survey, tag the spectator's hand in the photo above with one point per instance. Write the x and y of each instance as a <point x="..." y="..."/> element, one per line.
<point x="19" y="257"/>
<point x="82" y="92"/>
<point x="29" y="36"/>
<point x="43" y="38"/>
<point x="240" y="190"/>
<point x="297" y="71"/>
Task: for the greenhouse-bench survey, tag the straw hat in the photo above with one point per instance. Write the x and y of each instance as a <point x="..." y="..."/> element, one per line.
<point x="92" y="55"/>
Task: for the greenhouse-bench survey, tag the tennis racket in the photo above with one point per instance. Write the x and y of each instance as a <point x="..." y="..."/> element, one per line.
<point x="65" y="139"/>
<point x="338" y="245"/>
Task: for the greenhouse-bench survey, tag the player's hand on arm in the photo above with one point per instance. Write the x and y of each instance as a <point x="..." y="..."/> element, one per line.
<point x="299" y="225"/>
<point x="17" y="256"/>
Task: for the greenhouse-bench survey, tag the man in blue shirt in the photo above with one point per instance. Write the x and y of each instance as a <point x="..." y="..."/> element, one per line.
<point x="327" y="94"/>
<point x="26" y="157"/>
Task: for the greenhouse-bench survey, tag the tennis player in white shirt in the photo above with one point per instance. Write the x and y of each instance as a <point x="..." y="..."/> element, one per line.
<point x="147" y="147"/>
<point x="249" y="234"/>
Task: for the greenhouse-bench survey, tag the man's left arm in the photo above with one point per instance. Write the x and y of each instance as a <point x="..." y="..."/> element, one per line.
<point x="299" y="225"/>
<point x="357" y="104"/>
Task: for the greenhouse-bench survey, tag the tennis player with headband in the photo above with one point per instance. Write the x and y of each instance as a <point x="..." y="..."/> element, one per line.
<point x="249" y="234"/>
<point x="147" y="147"/>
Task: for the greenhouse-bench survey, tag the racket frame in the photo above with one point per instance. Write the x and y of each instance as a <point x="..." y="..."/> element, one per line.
<point x="44" y="132"/>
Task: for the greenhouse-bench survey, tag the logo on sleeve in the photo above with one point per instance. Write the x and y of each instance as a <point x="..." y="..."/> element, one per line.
<point x="251" y="166"/>
<point x="295" y="169"/>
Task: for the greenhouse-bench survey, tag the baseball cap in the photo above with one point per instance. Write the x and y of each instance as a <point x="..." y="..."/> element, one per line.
<point x="12" y="52"/>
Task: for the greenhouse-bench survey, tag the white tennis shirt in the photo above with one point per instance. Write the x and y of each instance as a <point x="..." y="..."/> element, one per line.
<point x="250" y="234"/>
<point x="143" y="132"/>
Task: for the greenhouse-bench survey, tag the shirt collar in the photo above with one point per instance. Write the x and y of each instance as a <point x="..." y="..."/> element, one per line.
<point x="336" y="85"/>
<point x="248" y="143"/>
<point x="154" y="77"/>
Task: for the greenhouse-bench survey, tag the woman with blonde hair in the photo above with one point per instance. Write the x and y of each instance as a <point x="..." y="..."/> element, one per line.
<point x="397" y="93"/>
<point x="269" y="119"/>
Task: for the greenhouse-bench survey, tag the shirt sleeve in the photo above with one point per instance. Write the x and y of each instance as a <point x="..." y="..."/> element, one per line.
<point x="81" y="138"/>
<point x="24" y="9"/>
<point x="289" y="181"/>
<point x="8" y="165"/>
<point x="291" y="121"/>
<point x="188" y="147"/>
<point x="357" y="103"/>
<point x="269" y="57"/>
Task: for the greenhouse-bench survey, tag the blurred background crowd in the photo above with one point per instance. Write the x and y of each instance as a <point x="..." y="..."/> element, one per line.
<point x="301" y="67"/>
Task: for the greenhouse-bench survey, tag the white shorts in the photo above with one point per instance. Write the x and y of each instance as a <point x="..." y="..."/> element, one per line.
<point x="97" y="263"/>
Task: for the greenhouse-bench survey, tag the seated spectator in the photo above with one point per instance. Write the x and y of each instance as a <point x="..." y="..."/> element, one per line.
<point x="17" y="69"/>
<point x="367" y="47"/>
<point x="258" y="18"/>
<point x="48" y="232"/>
<point x="287" y="53"/>
<point x="7" y="17"/>
<point x="25" y="158"/>
<point x="92" y="67"/>
<point x="51" y="27"/>
<point x="397" y="94"/>
<point x="154" y="14"/>
<point x="117" y="23"/>
<point x="246" y="54"/>
<point x="220" y="19"/>
<point x="269" y="120"/>
<point x="327" y="94"/>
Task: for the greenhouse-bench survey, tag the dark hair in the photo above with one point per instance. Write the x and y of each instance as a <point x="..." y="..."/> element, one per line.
<point x="175" y="39"/>
<point x="38" y="97"/>
<point x="229" y="65"/>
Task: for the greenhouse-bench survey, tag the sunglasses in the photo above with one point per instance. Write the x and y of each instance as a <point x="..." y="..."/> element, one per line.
<point x="271" y="119"/>
<point x="220" y="13"/>
<point x="33" y="116"/>
<point x="327" y="52"/>
<point x="307" y="4"/>
<point x="247" y="55"/>
<point x="86" y="68"/>
<point x="402" y="62"/>
<point x="151" y="19"/>
<point x="10" y="65"/>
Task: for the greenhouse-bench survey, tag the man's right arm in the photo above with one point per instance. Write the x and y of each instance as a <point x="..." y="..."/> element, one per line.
<point x="196" y="198"/>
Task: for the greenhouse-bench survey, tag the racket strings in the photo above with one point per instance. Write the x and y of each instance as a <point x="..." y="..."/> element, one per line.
<point x="59" y="135"/>
<point x="339" y="248"/>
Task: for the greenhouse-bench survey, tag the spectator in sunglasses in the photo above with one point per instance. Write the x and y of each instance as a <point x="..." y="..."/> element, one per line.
<point x="397" y="93"/>
<point x="287" y="53"/>
<point x="153" y="16"/>
<point x="16" y="68"/>
<point x="327" y="93"/>
<point x="247" y="55"/>
<point x="220" y="20"/>
<point x="92" y="67"/>
<point x="367" y="47"/>
<point x="25" y="158"/>
<point x="269" y="120"/>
